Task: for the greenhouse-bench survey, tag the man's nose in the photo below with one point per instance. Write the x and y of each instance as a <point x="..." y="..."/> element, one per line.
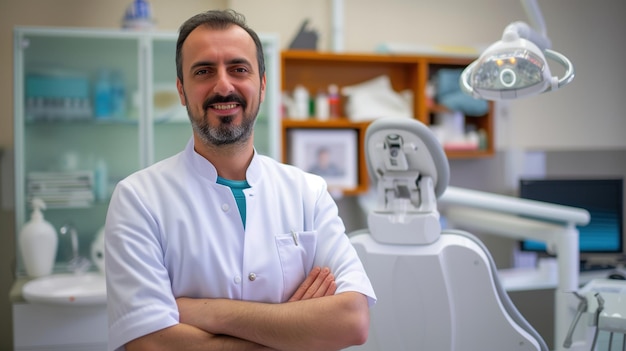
<point x="223" y="85"/>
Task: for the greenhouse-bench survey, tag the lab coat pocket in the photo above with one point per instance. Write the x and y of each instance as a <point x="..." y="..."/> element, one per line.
<point x="296" y="251"/>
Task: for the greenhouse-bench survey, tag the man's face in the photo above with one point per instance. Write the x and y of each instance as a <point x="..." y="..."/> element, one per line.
<point x="324" y="159"/>
<point x="221" y="87"/>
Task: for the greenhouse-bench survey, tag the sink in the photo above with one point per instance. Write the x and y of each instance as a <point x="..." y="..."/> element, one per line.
<point x="67" y="289"/>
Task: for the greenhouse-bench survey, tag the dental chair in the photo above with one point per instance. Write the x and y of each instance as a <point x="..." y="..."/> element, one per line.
<point x="437" y="290"/>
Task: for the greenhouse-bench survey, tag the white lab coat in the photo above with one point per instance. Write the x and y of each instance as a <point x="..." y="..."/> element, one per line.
<point x="172" y="231"/>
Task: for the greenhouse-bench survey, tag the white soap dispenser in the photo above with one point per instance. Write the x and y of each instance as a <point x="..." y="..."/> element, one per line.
<point x="38" y="242"/>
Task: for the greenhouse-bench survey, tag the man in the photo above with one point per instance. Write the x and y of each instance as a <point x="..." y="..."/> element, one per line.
<point x="219" y="248"/>
<point x="323" y="165"/>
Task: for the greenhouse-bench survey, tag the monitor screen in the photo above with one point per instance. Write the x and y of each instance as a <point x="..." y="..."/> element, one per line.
<point x="603" y="198"/>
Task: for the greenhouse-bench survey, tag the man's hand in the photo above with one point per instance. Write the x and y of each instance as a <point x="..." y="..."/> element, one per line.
<point x="320" y="282"/>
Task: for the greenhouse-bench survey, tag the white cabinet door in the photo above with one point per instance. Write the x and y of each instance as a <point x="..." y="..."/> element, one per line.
<point x="59" y="328"/>
<point x="65" y="126"/>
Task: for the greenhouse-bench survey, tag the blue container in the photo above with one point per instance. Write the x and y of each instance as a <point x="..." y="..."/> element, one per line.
<point x="103" y="96"/>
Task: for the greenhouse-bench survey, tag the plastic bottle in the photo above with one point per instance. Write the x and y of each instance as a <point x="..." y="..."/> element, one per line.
<point x="103" y="96"/>
<point x="322" y="107"/>
<point x="138" y="15"/>
<point x="333" y="101"/>
<point x="38" y="242"/>
<point x="301" y="100"/>
<point x="142" y="9"/>
<point x="482" y="139"/>
<point x="118" y="95"/>
<point x="101" y="180"/>
<point x="472" y="137"/>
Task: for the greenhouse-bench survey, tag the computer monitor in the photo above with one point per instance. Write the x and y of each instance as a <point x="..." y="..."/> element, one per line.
<point x="604" y="200"/>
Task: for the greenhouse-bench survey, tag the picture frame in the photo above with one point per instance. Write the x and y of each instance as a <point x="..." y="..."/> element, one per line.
<point x="329" y="153"/>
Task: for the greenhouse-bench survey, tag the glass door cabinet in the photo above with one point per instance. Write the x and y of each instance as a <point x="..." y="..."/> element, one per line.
<point x="91" y="107"/>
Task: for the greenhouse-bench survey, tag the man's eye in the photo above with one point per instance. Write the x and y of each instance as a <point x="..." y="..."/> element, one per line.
<point x="241" y="70"/>
<point x="201" y="72"/>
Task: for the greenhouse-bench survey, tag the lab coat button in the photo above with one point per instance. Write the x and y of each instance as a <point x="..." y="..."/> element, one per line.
<point x="237" y="279"/>
<point x="251" y="277"/>
<point x="225" y="207"/>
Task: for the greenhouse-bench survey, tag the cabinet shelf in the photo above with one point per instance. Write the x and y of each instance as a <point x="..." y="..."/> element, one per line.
<point x="96" y="122"/>
<point x="341" y="122"/>
<point x="317" y="70"/>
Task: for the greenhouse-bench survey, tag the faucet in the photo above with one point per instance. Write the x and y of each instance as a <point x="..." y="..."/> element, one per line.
<point x="77" y="264"/>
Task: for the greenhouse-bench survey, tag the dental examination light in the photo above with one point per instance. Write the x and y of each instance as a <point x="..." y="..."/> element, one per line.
<point x="516" y="66"/>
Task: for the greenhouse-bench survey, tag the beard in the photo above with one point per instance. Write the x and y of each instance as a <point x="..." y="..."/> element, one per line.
<point x="226" y="133"/>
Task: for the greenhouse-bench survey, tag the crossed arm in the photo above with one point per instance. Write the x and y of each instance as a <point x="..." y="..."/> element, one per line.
<point x="314" y="318"/>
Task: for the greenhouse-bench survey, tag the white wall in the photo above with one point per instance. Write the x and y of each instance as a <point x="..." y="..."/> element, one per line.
<point x="591" y="112"/>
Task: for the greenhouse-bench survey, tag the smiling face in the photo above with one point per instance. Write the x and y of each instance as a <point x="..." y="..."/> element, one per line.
<point x="221" y="86"/>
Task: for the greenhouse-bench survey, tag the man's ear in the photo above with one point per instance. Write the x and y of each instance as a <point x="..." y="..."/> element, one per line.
<point x="181" y="92"/>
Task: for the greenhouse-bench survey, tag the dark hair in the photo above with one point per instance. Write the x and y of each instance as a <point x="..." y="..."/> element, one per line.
<point x="216" y="19"/>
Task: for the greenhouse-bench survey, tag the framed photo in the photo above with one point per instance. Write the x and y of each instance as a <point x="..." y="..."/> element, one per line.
<point x="330" y="153"/>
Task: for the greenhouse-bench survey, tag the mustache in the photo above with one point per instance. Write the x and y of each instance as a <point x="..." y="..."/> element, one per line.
<point x="221" y="99"/>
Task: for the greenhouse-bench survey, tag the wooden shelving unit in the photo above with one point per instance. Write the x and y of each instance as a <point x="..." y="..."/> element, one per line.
<point x="317" y="70"/>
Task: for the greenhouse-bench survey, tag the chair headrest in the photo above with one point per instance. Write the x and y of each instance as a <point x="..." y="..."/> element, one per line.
<point x="405" y="146"/>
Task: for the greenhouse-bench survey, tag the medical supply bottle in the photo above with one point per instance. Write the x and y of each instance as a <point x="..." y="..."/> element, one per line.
<point x="301" y="101"/>
<point x="118" y="95"/>
<point x="103" y="95"/>
<point x="101" y="180"/>
<point x="333" y="101"/>
<point x="322" y="106"/>
<point x="38" y="242"/>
